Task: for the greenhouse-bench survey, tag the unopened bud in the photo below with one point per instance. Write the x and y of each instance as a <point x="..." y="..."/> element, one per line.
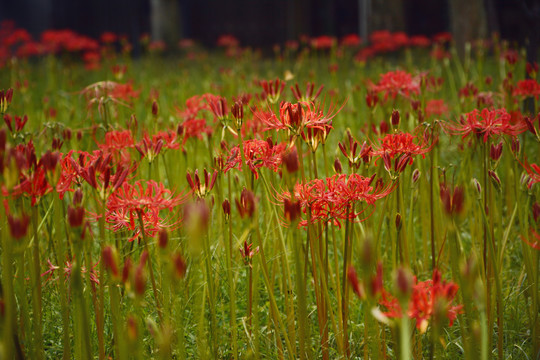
<point x="496" y="151"/>
<point x="395" y="118"/>
<point x="355" y="283"/>
<point x="495" y="179"/>
<point x="75" y="216"/>
<point x="477" y="187"/>
<point x="398" y="222"/>
<point x="415" y="176"/>
<point x="536" y="211"/>
<point x="18" y="227"/>
<point x="290" y="159"/>
<point x="226" y="209"/>
<point x="180" y="266"/>
<point x="108" y="255"/>
<point x="163" y="238"/>
<point x="337" y="166"/>
<point x="155" y="108"/>
<point x="404" y="282"/>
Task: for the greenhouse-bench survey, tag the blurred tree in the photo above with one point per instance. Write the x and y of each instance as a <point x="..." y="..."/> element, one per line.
<point x="467" y="21"/>
<point x="165" y="20"/>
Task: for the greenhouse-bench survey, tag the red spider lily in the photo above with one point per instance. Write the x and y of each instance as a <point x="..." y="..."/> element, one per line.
<point x="34" y="185"/>
<point x="198" y="188"/>
<point x="536" y="244"/>
<point x="97" y="171"/>
<point x="195" y="128"/>
<point x="227" y="41"/>
<point x="143" y="196"/>
<point x="118" y="143"/>
<point x="436" y="108"/>
<point x="429" y="299"/>
<point x="193" y="106"/>
<point x="116" y="140"/>
<point x="218" y="106"/>
<point x="350" y="151"/>
<point x="351" y="40"/>
<point x="323" y="42"/>
<point x="402" y="148"/>
<point x="527" y="88"/>
<point x="295" y="118"/>
<point x="533" y="172"/>
<point x="257" y="154"/>
<point x="19" y="122"/>
<point x="130" y="203"/>
<point x="485" y="124"/>
<point x="308" y="96"/>
<point x="149" y="148"/>
<point x="333" y="198"/>
<point x="272" y="89"/>
<point x="94" y="274"/>
<point x="395" y="83"/>
<point x="247" y="252"/>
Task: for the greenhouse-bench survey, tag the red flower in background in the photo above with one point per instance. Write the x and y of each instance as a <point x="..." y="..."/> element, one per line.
<point x="527" y="88"/>
<point x="395" y="83"/>
<point x="485" y="124"/>
<point x="430" y="299"/>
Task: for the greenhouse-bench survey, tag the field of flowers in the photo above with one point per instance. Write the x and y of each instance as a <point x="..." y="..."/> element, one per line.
<point x="334" y="199"/>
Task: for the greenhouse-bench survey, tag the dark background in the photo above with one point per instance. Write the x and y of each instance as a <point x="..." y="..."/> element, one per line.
<point x="266" y="22"/>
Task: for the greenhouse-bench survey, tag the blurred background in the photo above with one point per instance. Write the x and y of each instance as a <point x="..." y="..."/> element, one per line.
<point x="262" y="23"/>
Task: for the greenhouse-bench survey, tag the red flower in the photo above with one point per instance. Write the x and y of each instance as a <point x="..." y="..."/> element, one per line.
<point x="527" y="88"/>
<point x="436" y="107"/>
<point x="257" y="154"/>
<point x="429" y="299"/>
<point x="395" y="83"/>
<point x="485" y="124"/>
<point x="333" y="198"/>
<point x="144" y="199"/>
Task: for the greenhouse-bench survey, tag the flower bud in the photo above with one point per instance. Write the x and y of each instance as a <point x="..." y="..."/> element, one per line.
<point x="495" y="179"/>
<point x="398" y="222"/>
<point x="155" y="108"/>
<point x="536" y="211"/>
<point x="163" y="238"/>
<point x="404" y="282"/>
<point x="108" y="255"/>
<point x="395" y="117"/>
<point x="355" y="283"/>
<point x="180" y="265"/>
<point x="496" y="151"/>
<point x="75" y="216"/>
<point x="415" y="176"/>
<point x="476" y="185"/>
<point x="337" y="166"/>
<point x="18" y="227"/>
<point x="226" y="209"/>
<point x="292" y="209"/>
<point x="290" y="159"/>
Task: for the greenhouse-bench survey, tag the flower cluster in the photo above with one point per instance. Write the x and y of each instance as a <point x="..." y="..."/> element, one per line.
<point x="429" y="299"/>
<point x="485" y="124"/>
<point x="144" y="201"/>
<point x="334" y="198"/>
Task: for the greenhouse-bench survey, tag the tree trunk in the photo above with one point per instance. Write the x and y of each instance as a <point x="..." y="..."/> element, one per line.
<point x="467" y="21"/>
<point x="165" y="20"/>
